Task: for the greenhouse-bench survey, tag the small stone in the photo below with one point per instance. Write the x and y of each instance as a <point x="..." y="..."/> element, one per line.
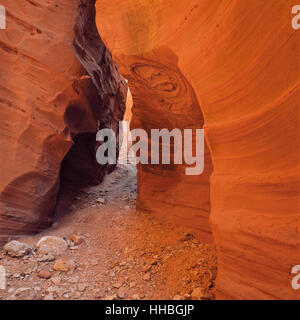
<point x="51" y="289"/>
<point x="51" y="245"/>
<point x="178" y="297"/>
<point x="98" y="294"/>
<point x="23" y="294"/>
<point x="135" y="297"/>
<point x="44" y="274"/>
<point x="49" y="296"/>
<point x="167" y="256"/>
<point x="46" y="258"/>
<point x="64" y="265"/>
<point x="187" y="280"/>
<point x="147" y="268"/>
<point x="200" y="294"/>
<point x="74" y="280"/>
<point x="56" y="280"/>
<point x="17" y="249"/>
<point x="82" y="287"/>
<point x="117" y="285"/>
<point x="147" y="277"/>
<point x="122" y="293"/>
<point x="66" y="295"/>
<point x="114" y="297"/>
<point x="11" y="290"/>
<point x="100" y="200"/>
<point x="94" y="262"/>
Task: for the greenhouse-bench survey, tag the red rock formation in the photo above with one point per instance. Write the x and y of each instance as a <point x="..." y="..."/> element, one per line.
<point x="163" y="98"/>
<point x="239" y="61"/>
<point x="50" y="98"/>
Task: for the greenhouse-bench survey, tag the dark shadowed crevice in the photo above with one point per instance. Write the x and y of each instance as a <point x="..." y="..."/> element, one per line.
<point x="105" y="92"/>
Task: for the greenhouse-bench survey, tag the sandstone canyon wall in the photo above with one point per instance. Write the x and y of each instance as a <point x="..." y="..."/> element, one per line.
<point x="237" y="62"/>
<point x="58" y="84"/>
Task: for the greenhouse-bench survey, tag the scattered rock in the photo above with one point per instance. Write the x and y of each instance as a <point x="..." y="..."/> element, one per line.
<point x="112" y="274"/>
<point x="94" y="262"/>
<point x="46" y="258"/>
<point x="178" y="297"/>
<point x="52" y="245"/>
<point x="44" y="274"/>
<point x="66" y="295"/>
<point x="64" y="265"/>
<point x="100" y="200"/>
<point x="117" y="285"/>
<point x="82" y="287"/>
<point x="187" y="280"/>
<point x="201" y="294"/>
<point x="98" y="294"/>
<point x="77" y="239"/>
<point x="56" y="280"/>
<point x="135" y="297"/>
<point x="147" y="268"/>
<point x="147" y="277"/>
<point x="17" y="249"/>
<point x="49" y="296"/>
<point x="114" y="297"/>
<point x="23" y="294"/>
<point x="122" y="293"/>
<point x="74" y="280"/>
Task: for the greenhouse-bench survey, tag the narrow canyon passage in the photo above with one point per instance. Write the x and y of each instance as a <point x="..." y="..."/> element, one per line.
<point x="126" y="254"/>
<point x="230" y="68"/>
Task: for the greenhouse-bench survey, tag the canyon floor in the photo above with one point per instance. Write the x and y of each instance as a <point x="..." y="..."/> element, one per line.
<point x="125" y="253"/>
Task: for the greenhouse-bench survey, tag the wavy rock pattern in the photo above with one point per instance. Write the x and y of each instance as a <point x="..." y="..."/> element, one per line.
<point x="240" y="61"/>
<point x="50" y="98"/>
<point x="159" y="88"/>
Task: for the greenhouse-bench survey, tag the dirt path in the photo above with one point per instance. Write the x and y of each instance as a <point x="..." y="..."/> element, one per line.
<point x="125" y="254"/>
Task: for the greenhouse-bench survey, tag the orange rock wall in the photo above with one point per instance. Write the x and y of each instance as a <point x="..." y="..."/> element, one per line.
<point x="48" y="97"/>
<point x="163" y="98"/>
<point x="240" y="63"/>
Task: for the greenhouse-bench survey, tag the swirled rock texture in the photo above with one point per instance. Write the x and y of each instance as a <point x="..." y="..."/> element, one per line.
<point x="58" y="84"/>
<point x="237" y="62"/>
<point x="164" y="99"/>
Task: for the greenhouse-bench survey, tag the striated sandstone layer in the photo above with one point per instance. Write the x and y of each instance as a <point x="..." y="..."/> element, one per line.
<point x="164" y="99"/>
<point x="238" y="62"/>
<point x="58" y="84"/>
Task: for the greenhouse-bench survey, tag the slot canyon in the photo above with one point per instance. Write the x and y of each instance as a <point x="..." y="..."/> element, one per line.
<point x="69" y="68"/>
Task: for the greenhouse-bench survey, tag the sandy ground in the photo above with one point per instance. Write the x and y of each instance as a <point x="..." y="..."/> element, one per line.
<point x="126" y="254"/>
